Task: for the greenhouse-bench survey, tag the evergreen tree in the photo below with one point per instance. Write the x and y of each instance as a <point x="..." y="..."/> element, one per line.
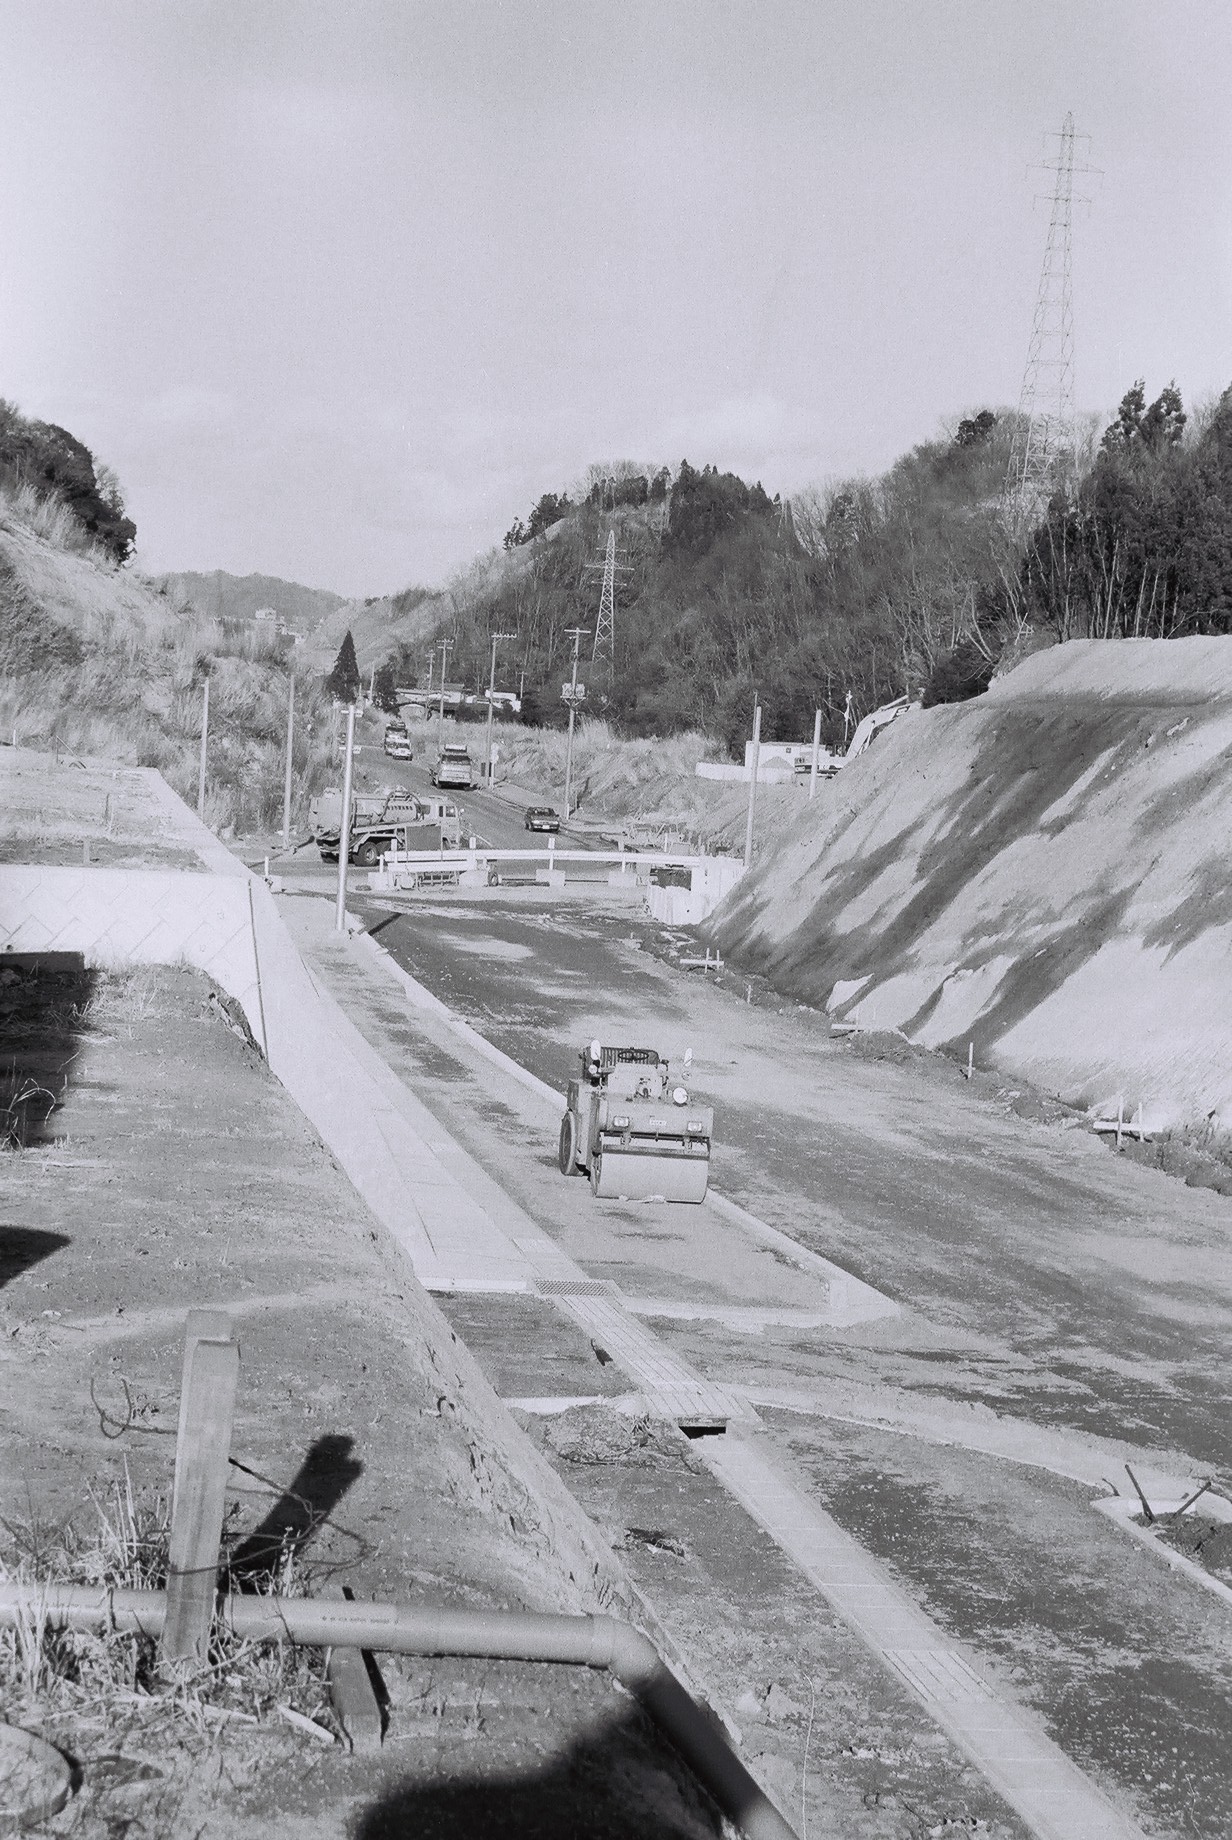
<point x="343" y="682"/>
<point x="384" y="689"/>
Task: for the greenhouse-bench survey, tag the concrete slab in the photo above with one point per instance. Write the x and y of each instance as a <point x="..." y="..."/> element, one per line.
<point x="1037" y="1779"/>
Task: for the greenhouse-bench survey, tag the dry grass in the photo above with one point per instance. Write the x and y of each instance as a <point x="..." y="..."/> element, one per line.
<point x="52" y="1676"/>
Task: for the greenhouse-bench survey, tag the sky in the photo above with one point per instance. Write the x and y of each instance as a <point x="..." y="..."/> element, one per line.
<point x="339" y="290"/>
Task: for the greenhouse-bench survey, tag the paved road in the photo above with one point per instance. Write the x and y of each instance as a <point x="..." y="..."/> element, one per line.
<point x="493" y="818"/>
<point x="1062" y="1311"/>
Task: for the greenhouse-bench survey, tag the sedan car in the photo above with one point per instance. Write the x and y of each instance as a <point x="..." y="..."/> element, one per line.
<point x="542" y="818"/>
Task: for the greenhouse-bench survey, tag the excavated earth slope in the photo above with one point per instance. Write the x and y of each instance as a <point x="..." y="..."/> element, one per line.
<point x="1042" y="872"/>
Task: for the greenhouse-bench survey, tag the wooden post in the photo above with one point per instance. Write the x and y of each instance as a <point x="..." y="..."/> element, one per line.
<point x="207" y="1406"/>
<point x="353" y="1695"/>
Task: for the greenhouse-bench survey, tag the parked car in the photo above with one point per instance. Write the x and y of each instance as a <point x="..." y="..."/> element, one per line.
<point x="398" y="744"/>
<point x="542" y="818"/>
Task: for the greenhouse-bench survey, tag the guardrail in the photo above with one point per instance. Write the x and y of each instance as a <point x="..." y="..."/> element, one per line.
<point x="709" y="877"/>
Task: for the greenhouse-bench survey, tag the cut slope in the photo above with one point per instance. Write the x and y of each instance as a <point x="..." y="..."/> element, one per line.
<point x="1041" y="872"/>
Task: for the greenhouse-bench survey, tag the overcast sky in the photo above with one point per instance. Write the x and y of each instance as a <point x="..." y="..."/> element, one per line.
<point x="339" y="290"/>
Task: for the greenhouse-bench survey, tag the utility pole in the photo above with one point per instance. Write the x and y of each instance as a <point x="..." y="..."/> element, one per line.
<point x="754" y="758"/>
<point x="816" y="746"/>
<point x="205" y="743"/>
<point x="446" y="647"/>
<point x="496" y="638"/>
<point x="344" y="829"/>
<point x="577" y="634"/>
<point x="286" y="783"/>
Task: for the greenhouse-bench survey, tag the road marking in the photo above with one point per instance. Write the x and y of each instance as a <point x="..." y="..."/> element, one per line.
<point x="1003" y="1740"/>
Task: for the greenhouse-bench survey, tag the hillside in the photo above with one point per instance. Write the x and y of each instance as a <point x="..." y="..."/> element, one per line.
<point x="1041" y="872"/>
<point x="95" y="662"/>
<point x="220" y="596"/>
<point x="724" y="594"/>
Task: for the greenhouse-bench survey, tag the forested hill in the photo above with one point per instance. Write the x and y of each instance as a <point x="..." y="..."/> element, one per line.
<point x="724" y="592"/>
<point x="920" y="581"/>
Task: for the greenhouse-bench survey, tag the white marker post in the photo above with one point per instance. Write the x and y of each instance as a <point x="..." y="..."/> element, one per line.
<point x="816" y="748"/>
<point x="344" y="832"/>
<point x="205" y="743"/>
<point x="286" y="783"/>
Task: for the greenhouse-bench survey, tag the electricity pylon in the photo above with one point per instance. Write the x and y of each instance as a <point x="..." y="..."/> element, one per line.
<point x="1043" y="452"/>
<point x="604" y="649"/>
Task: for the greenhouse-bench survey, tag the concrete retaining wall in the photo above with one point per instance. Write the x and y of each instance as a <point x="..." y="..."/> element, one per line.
<point x="119" y="917"/>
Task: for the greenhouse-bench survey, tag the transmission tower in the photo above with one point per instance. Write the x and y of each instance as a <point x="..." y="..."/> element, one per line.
<point x="604" y="649"/>
<point x="1043" y="451"/>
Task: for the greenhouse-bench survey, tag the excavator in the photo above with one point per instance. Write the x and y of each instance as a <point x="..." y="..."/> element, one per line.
<point x="637" y="1132"/>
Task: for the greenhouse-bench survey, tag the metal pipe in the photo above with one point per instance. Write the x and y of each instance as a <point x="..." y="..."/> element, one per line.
<point x="583" y="1641"/>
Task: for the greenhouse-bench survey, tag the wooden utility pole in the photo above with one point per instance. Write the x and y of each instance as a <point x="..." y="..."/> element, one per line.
<point x="753" y="764"/>
<point x="496" y="638"/>
<point x="446" y="648"/>
<point x="577" y="634"/>
<point x="205" y="743"/>
<point x="344" y="827"/>
<point x="286" y="783"/>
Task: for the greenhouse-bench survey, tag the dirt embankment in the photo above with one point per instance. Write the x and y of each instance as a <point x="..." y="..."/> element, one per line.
<point x="1041" y="873"/>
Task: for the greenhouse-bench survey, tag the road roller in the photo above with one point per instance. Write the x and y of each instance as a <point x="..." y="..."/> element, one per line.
<point x="634" y="1128"/>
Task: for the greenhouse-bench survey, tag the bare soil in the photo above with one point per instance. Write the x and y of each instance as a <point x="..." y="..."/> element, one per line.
<point x="174" y="1172"/>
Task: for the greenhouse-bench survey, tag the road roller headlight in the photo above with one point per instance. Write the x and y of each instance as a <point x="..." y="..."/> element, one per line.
<point x="621" y="1121"/>
<point x="696" y="1127"/>
<point x="680" y="1096"/>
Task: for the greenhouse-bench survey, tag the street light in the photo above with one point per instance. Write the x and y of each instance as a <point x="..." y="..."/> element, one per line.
<point x="571" y="696"/>
<point x="496" y="638"/>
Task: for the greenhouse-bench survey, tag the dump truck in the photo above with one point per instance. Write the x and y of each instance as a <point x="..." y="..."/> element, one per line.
<point x="633" y="1129"/>
<point x="383" y="821"/>
<point x="454" y="768"/>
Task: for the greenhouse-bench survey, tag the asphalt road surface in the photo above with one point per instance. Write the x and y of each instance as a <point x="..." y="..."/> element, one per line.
<point x="1063" y="1311"/>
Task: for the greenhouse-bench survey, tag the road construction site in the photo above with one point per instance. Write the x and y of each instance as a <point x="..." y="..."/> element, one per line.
<point x="842" y="1425"/>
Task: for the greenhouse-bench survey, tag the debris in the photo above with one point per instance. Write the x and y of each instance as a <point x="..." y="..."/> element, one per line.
<point x="655" y="1540"/>
<point x="309" y="1727"/>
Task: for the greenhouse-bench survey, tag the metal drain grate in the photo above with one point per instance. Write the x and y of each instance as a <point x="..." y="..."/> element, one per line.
<point x="575" y="1287"/>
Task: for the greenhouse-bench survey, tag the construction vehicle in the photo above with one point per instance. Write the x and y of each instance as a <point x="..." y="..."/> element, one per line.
<point x="383" y="821"/>
<point x="634" y="1130"/>
<point x="453" y="768"/>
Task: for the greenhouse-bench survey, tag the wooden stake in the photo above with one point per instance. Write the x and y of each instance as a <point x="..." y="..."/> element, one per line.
<point x="207" y="1406"/>
<point x="1146" y="1506"/>
<point x="353" y="1697"/>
